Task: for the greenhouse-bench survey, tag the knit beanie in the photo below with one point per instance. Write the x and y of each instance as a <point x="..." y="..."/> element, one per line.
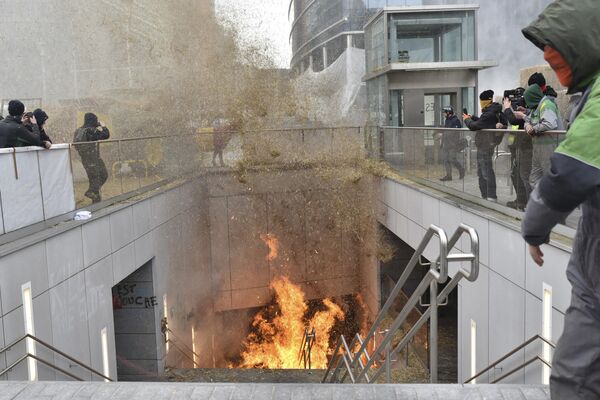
<point x="487" y="95"/>
<point x="537" y="78"/>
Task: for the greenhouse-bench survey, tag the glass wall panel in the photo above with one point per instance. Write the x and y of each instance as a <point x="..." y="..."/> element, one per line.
<point x="375" y="45"/>
<point x="396" y="108"/>
<point x="468" y="101"/>
<point x="431" y="37"/>
<point x="377" y="94"/>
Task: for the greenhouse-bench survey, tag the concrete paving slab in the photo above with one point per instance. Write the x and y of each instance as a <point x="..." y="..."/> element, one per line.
<point x="249" y="391"/>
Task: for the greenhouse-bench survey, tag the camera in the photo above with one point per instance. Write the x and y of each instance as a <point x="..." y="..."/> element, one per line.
<point x="516" y="97"/>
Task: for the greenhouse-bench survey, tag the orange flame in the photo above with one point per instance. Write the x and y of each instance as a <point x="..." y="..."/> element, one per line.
<point x="276" y="344"/>
<point x="273" y="245"/>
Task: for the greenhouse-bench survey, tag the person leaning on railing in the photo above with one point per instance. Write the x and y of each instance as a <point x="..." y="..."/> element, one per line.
<point x="14" y="134"/>
<point x="568" y="31"/>
<point x="543" y="118"/>
<point x="521" y="148"/>
<point x="486" y="142"/>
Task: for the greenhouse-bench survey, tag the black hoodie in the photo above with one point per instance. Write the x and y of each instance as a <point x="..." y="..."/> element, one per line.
<point x="490" y="116"/>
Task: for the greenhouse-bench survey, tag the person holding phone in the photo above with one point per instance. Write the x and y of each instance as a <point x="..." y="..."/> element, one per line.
<point x="14" y="134"/>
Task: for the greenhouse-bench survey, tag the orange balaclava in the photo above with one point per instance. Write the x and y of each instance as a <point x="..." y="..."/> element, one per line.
<point x="559" y="65"/>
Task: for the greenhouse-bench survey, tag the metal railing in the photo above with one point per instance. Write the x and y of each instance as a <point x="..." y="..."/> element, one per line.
<point x="170" y="338"/>
<point x="520" y="366"/>
<point x="305" y="353"/>
<point x="45" y="362"/>
<point x="359" y="363"/>
<point x="516" y="166"/>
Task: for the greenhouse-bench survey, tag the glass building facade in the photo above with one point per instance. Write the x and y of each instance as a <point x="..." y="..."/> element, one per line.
<point x="323" y="29"/>
<point x="397" y="38"/>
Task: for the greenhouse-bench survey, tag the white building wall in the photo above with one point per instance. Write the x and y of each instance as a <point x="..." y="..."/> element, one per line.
<point x="506" y="300"/>
<point x="72" y="274"/>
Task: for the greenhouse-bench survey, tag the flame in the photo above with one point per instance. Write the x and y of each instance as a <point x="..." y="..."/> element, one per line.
<point x="273" y="245"/>
<point x="276" y="344"/>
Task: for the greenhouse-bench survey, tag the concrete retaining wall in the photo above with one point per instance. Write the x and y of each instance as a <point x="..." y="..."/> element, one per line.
<point x="506" y="301"/>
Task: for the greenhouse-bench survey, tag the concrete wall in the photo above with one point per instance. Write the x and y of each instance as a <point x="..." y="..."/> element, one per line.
<point x="298" y="208"/>
<point x="203" y="242"/>
<point x="35" y="185"/>
<point x="80" y="49"/>
<point x="506" y="300"/>
<point x="72" y="269"/>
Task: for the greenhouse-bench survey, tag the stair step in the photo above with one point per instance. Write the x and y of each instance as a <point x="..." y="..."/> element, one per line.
<point x="245" y="375"/>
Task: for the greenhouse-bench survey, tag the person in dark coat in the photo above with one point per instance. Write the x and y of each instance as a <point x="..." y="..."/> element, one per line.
<point x="567" y="32"/>
<point x="41" y="117"/>
<point x="14" y="134"/>
<point x="221" y="137"/>
<point x="491" y="118"/>
<point x="92" y="131"/>
<point x="521" y="152"/>
<point x="451" y="145"/>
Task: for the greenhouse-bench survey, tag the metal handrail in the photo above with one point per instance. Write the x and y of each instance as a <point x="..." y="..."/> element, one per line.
<point x="196" y="365"/>
<point x="51" y="348"/>
<point x="305" y="353"/>
<point x="439" y="129"/>
<point x="175" y="344"/>
<point x="438" y="273"/>
<point x="511" y="353"/>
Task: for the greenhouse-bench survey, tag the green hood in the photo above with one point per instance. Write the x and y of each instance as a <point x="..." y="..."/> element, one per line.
<point x="533" y="95"/>
<point x="572" y="27"/>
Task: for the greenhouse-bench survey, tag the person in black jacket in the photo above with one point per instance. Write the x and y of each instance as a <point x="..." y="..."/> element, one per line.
<point x="486" y="142"/>
<point x="92" y="131"/>
<point x="451" y="145"/>
<point x="521" y="153"/>
<point x="41" y="117"/>
<point x="14" y="134"/>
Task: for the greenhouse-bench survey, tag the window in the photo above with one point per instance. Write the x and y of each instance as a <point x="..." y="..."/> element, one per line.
<point x="431" y="37"/>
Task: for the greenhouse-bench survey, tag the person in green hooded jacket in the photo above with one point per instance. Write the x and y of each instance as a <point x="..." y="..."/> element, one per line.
<point x="568" y="31"/>
<point x="544" y="117"/>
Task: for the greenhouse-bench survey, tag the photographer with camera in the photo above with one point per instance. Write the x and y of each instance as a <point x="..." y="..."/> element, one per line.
<point x="92" y="131"/>
<point x="14" y="134"/>
<point x="40" y="117"/>
<point x="520" y="146"/>
<point x="451" y="145"/>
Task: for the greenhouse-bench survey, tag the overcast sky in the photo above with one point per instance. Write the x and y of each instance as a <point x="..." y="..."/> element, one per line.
<point x="264" y="21"/>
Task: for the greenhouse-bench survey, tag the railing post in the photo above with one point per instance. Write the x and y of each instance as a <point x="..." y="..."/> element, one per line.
<point x="388" y="363"/>
<point x="433" y="332"/>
